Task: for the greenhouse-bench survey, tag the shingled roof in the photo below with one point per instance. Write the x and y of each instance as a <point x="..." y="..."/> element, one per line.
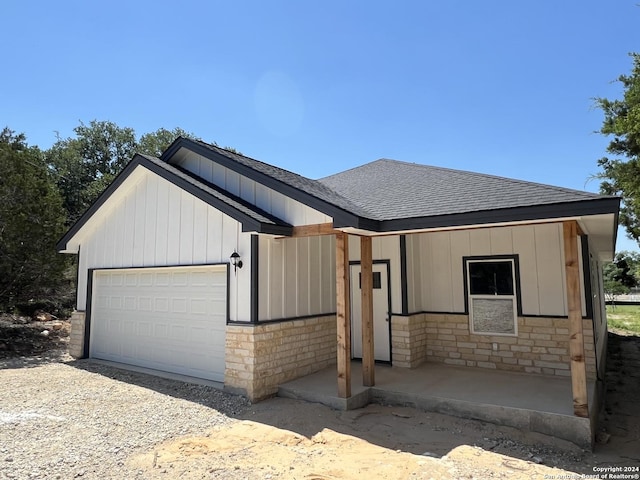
<point x="267" y="174"/>
<point x="390" y="190"/>
<point x="381" y="196"/>
<point x="389" y="195"/>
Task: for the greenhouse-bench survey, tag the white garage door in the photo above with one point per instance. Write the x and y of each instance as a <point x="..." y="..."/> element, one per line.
<point x="169" y="319"/>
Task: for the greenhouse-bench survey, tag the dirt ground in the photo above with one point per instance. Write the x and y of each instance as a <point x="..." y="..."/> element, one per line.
<point x="288" y="439"/>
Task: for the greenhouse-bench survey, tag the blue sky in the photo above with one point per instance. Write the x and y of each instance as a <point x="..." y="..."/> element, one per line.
<point x="498" y="86"/>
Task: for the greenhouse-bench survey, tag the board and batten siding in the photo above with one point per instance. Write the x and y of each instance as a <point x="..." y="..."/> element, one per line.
<point x="435" y="267"/>
<point x="269" y="200"/>
<point x="296" y="277"/>
<point x="155" y="223"/>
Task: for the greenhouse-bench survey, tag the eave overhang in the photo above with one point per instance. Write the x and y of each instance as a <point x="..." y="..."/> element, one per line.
<point x="252" y="218"/>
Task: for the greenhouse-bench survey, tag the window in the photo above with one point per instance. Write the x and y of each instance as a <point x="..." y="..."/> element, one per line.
<point x="491" y="287"/>
<point x="377" y="280"/>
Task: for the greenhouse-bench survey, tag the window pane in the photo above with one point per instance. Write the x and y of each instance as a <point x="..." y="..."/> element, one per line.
<point x="490" y="278"/>
<point x="377" y="280"/>
<point x="493" y="316"/>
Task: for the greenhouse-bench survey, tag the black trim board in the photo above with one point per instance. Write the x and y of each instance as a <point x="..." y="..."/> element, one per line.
<point x="595" y="206"/>
<point x="280" y="320"/>
<point x="249" y="224"/>
<point x="586" y="275"/>
<point x="404" y="289"/>
<point x="524" y="315"/>
<point x="87" y="316"/>
<point x="341" y="216"/>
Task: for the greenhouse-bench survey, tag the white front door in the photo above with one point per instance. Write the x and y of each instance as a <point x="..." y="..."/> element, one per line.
<point x="381" y="334"/>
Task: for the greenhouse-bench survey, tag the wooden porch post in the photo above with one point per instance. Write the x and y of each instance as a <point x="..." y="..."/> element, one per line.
<point x="343" y="314"/>
<point x="574" y="304"/>
<point x="366" y="289"/>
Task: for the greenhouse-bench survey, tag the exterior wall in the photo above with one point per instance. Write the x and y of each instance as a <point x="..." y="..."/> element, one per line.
<point x="383" y="248"/>
<point x="259" y="358"/>
<point x="296" y="277"/>
<point x="542" y="345"/>
<point x="155" y="223"/>
<point x="599" y="315"/>
<point x="255" y="193"/>
<point x="409" y="340"/>
<point x="436" y="274"/>
<point x="76" y="340"/>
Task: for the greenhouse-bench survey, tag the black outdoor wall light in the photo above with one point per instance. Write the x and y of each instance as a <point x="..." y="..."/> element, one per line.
<point x="235" y="261"/>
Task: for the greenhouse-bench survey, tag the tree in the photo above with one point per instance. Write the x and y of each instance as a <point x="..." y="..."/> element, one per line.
<point x="31" y="221"/>
<point x="155" y="143"/>
<point x="612" y="289"/>
<point x="626" y="269"/>
<point x="85" y="165"/>
<point x="619" y="276"/>
<point x="621" y="176"/>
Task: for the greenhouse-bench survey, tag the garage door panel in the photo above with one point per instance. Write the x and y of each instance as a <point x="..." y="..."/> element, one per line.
<point x="160" y="318"/>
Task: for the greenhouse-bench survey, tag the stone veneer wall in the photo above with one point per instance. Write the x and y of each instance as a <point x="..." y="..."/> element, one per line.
<point x="76" y="339"/>
<point x="542" y="344"/>
<point x="261" y="357"/>
<point x="408" y="340"/>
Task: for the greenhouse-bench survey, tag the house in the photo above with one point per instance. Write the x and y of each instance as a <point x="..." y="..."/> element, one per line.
<point x="210" y="264"/>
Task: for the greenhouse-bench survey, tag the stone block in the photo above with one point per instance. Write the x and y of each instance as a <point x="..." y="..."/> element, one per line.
<point x="487" y="365"/>
<point x="537" y="322"/>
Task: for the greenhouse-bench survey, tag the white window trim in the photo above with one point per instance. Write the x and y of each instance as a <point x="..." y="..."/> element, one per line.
<point x="513" y="298"/>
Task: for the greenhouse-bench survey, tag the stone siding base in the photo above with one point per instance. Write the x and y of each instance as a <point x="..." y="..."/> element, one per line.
<point x="76" y="340"/>
<point x="541" y="346"/>
<point x="261" y="357"/>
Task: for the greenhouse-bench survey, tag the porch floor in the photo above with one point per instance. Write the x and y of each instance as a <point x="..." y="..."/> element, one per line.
<point x="530" y="402"/>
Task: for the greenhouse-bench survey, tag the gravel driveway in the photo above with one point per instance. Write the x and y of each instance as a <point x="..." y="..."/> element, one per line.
<point x="82" y="420"/>
<point x="68" y="419"/>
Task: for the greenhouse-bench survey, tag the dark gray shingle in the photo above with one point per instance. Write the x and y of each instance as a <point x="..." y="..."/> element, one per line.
<point x="390" y="189"/>
<point x="303" y="184"/>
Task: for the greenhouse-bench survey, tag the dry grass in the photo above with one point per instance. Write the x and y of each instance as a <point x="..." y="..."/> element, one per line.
<point x="624" y="317"/>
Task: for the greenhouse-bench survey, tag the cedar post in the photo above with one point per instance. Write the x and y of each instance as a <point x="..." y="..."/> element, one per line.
<point x="574" y="304"/>
<point x="343" y="315"/>
<point x="366" y="289"/>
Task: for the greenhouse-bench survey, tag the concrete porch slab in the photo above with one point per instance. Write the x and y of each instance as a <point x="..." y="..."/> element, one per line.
<point x="529" y="402"/>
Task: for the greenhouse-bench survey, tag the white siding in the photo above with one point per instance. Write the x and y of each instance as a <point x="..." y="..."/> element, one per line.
<point x="156" y="223"/>
<point x="296" y="277"/>
<point x="414" y="274"/>
<point x="255" y="193"/>
<point x="439" y="258"/>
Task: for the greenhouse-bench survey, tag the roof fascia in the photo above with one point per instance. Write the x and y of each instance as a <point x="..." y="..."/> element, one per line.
<point x="609" y="205"/>
<point x="249" y="224"/>
<point x="95" y="206"/>
<point x="338" y="214"/>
